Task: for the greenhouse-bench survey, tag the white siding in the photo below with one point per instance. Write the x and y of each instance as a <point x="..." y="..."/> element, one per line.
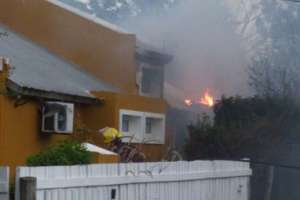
<point x="207" y="180"/>
<point x="4" y="183"/>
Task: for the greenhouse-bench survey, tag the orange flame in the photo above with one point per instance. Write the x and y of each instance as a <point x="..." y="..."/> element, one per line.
<point x="188" y="102"/>
<point x="207" y="99"/>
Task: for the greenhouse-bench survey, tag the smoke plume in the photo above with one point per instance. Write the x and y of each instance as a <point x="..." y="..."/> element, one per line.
<point x="206" y="49"/>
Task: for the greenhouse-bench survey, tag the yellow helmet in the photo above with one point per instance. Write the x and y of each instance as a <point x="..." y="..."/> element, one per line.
<point x="110" y="134"/>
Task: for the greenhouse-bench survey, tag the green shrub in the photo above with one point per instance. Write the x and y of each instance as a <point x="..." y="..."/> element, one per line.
<point x="64" y="153"/>
<point x="242" y="127"/>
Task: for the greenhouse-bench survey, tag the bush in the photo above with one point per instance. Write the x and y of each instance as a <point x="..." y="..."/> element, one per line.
<point x="243" y="127"/>
<point x="63" y="153"/>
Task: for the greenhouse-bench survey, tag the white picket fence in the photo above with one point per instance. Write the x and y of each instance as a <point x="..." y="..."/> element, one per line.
<point x="4" y="183"/>
<point x="197" y="180"/>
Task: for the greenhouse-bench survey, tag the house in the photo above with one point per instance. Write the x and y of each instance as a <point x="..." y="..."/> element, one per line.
<point x="67" y="74"/>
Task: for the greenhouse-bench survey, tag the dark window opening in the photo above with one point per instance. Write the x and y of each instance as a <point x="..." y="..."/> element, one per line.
<point x="148" y="125"/>
<point x="125" y="123"/>
<point x="152" y="82"/>
<point x="49" y="123"/>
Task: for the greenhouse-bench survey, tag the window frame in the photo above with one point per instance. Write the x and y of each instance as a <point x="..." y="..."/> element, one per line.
<point x="136" y="138"/>
<point x="155" y="138"/>
<point x="140" y="78"/>
<point x="143" y="137"/>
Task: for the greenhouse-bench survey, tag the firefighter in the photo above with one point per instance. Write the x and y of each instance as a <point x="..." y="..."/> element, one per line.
<point x="127" y="152"/>
<point x="110" y="134"/>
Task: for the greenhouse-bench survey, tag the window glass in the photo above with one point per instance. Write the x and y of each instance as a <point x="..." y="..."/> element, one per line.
<point x="148" y="125"/>
<point x="152" y="82"/>
<point x="125" y="123"/>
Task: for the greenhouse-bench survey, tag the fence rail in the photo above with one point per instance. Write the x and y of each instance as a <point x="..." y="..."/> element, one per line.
<point x="216" y="180"/>
<point x="4" y="183"/>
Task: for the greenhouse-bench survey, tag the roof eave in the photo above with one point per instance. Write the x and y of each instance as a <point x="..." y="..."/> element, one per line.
<point x="37" y="93"/>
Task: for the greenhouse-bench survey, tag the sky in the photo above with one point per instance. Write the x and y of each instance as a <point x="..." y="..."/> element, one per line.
<point x="83" y="1"/>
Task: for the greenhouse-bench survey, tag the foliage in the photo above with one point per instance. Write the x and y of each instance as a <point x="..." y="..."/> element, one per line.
<point x="204" y="140"/>
<point x="243" y="127"/>
<point x="237" y="112"/>
<point x="275" y="68"/>
<point x="172" y="155"/>
<point x="68" y="152"/>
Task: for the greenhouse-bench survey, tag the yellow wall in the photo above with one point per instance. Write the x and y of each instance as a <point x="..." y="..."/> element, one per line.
<point x="20" y="134"/>
<point x="106" y="53"/>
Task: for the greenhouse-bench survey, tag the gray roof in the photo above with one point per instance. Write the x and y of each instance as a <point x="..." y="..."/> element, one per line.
<point x="36" y="68"/>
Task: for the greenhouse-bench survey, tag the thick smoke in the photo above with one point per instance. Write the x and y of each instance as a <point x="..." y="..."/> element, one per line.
<point x="206" y="49"/>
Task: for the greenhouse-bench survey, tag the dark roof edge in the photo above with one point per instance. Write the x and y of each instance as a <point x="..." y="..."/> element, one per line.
<point x="149" y="54"/>
<point x="37" y="93"/>
<point x="153" y="58"/>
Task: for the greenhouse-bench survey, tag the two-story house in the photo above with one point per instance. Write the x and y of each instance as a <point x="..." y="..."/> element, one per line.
<point x="67" y="74"/>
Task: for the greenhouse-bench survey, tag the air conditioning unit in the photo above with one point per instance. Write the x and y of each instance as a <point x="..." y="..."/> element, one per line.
<point x="57" y="117"/>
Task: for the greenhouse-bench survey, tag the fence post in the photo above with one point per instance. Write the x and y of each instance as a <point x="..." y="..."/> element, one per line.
<point x="4" y="183"/>
<point x="28" y="188"/>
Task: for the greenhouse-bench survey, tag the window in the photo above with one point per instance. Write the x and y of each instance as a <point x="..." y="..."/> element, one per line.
<point x="154" y="128"/>
<point x="125" y="123"/>
<point x="131" y="124"/>
<point x="150" y="81"/>
<point x="143" y="126"/>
